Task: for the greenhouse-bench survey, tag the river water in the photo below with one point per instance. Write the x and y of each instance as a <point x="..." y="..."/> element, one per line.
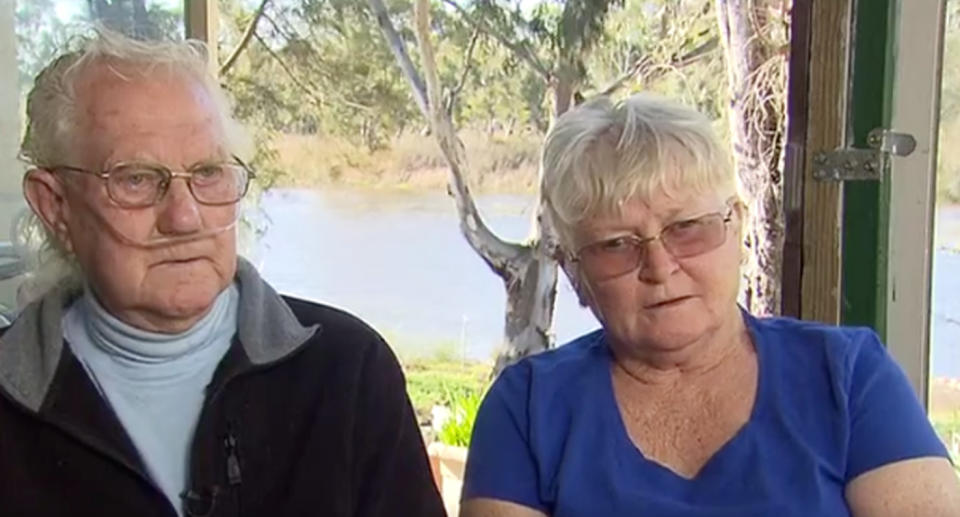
<point x="398" y="261"/>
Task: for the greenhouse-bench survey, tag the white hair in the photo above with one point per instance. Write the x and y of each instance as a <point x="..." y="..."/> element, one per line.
<point x="52" y="119"/>
<point x="601" y="154"/>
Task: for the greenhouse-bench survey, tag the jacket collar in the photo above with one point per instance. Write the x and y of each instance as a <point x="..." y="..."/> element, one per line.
<point x="32" y="348"/>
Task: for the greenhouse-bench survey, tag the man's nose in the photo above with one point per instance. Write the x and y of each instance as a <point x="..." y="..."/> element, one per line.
<point x="179" y="211"/>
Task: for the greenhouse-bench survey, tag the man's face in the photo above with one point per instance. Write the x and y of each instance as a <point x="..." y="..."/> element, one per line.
<point x="165" y="118"/>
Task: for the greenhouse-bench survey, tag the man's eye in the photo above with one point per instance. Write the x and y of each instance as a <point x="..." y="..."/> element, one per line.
<point x="138" y="179"/>
<point x="207" y="173"/>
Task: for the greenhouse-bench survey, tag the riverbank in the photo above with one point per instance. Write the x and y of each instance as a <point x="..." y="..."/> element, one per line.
<point x="499" y="163"/>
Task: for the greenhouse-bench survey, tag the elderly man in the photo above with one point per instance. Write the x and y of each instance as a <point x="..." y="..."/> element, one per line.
<point x="158" y="375"/>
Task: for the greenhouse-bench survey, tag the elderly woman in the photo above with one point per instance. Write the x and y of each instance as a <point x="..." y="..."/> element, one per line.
<point x="159" y="375"/>
<point x="683" y="404"/>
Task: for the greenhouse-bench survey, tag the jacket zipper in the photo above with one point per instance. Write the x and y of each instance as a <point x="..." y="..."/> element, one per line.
<point x="234" y="476"/>
<point x="230" y="442"/>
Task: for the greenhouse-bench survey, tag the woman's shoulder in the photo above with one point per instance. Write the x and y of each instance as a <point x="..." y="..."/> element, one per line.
<point x="810" y="347"/>
<point x="812" y="336"/>
<point x="555" y="380"/>
<point x="561" y="363"/>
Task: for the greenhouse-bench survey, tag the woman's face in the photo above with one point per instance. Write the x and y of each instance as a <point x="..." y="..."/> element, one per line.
<point x="661" y="294"/>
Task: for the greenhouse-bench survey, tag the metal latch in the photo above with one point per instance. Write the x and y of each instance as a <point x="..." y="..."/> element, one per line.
<point x="850" y="164"/>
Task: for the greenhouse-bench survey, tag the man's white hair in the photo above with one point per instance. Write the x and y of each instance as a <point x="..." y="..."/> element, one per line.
<point x="52" y="119"/>
<point x="601" y="154"/>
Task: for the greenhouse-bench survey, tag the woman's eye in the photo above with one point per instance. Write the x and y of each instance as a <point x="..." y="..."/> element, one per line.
<point x="681" y="228"/>
<point x="617" y="244"/>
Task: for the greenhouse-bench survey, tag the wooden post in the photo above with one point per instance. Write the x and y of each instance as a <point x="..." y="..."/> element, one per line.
<point x="822" y="209"/>
<point x="794" y="163"/>
<point x="200" y="20"/>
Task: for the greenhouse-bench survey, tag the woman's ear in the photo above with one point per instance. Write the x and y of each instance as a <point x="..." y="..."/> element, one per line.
<point x="47" y="198"/>
<point x="742" y="213"/>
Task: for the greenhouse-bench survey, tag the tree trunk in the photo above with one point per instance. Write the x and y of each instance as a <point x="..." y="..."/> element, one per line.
<point x="564" y="84"/>
<point x="756" y="69"/>
<point x="141" y="21"/>
<point x="529" y="270"/>
<point x="531" y="296"/>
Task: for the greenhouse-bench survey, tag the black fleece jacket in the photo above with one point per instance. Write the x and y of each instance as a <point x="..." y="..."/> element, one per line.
<point x="306" y="415"/>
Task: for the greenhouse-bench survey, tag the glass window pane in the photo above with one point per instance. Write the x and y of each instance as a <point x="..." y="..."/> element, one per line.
<point x="945" y="318"/>
<point x="10" y="201"/>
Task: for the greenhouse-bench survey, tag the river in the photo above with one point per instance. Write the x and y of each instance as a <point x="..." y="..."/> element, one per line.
<point x="398" y="261"/>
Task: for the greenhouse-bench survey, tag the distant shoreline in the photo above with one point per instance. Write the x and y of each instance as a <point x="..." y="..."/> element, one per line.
<point x="498" y="164"/>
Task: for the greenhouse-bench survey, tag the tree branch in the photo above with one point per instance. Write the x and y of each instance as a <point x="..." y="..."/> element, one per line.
<point x="247" y="35"/>
<point x="519" y="49"/>
<point x="296" y="81"/>
<point x="642" y="67"/>
<point x="502" y="257"/>
<point x="399" y="51"/>
<point x="467" y="64"/>
<point x="639" y="66"/>
<point x="291" y="35"/>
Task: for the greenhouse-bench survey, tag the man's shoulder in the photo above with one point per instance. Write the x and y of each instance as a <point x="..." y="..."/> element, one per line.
<point x="341" y="337"/>
<point x="331" y="320"/>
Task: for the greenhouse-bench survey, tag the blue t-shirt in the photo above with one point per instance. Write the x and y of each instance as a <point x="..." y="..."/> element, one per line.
<point x="831" y="404"/>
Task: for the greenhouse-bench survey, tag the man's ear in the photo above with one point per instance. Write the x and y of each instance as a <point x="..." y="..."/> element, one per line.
<point x="47" y="198"/>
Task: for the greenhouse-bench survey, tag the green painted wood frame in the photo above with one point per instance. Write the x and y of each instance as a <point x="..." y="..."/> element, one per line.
<point x="866" y="203"/>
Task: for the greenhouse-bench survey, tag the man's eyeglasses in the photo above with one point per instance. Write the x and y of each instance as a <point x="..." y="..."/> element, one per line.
<point x="141" y="185"/>
<point x="618" y="256"/>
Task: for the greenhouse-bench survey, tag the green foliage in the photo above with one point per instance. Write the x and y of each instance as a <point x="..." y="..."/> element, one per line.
<point x="319" y="71"/>
<point x="40" y="36"/>
<point x="137" y="19"/>
<point x="457" y="430"/>
<point x="441" y="382"/>
<point x="948" y="164"/>
<point x="947" y="426"/>
<point x="662" y="31"/>
<point x="318" y="67"/>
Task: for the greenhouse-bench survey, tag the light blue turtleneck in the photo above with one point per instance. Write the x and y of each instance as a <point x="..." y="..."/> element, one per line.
<point x="155" y="383"/>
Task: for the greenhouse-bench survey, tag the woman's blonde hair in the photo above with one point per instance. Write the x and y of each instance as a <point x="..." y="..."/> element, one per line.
<point x="603" y="153"/>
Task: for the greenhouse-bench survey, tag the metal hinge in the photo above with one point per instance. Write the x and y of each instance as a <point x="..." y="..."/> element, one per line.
<point x="850" y="164"/>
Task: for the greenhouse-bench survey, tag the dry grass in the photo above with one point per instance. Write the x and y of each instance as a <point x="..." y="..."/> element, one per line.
<point x="497" y="163"/>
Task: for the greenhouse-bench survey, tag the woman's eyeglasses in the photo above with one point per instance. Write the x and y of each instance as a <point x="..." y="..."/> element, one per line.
<point x="620" y="255"/>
